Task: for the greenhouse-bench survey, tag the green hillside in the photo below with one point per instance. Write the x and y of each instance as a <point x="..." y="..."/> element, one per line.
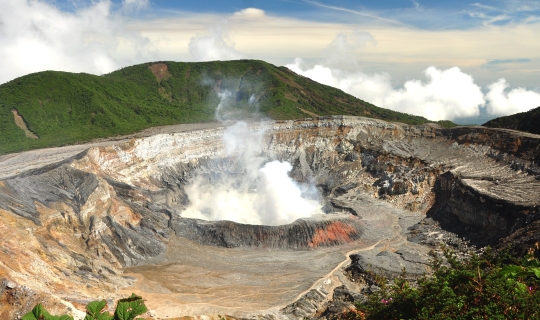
<point x="524" y="121"/>
<point x="60" y="108"/>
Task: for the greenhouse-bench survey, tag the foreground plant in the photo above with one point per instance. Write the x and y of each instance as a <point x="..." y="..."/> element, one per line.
<point x="126" y="309"/>
<point x="485" y="286"/>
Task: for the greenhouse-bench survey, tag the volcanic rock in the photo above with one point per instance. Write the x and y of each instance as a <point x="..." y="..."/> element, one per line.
<point x="74" y="221"/>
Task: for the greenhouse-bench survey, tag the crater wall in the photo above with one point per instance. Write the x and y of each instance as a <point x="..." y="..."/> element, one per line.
<point x="84" y="219"/>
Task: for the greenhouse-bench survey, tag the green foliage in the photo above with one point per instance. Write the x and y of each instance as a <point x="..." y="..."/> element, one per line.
<point x="446" y="123"/>
<point x="66" y="108"/>
<point x="39" y="313"/>
<point x="129" y="308"/>
<point x="126" y="309"/>
<point x="523" y="121"/>
<point x="486" y="286"/>
<point x="94" y="311"/>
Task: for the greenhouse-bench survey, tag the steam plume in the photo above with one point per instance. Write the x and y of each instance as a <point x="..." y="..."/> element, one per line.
<point x="254" y="190"/>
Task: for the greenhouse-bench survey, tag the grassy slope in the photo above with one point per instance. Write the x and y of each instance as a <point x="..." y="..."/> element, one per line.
<point x="65" y="108"/>
<point x="524" y="121"/>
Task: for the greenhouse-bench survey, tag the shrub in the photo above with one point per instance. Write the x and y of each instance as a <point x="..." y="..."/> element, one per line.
<point x="485" y="286"/>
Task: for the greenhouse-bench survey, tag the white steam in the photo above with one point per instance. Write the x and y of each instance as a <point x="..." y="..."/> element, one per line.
<point x="222" y="111"/>
<point x="260" y="193"/>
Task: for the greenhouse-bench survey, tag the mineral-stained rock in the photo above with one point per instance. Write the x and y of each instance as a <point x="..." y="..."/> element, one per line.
<point x="331" y="230"/>
<point x="70" y="227"/>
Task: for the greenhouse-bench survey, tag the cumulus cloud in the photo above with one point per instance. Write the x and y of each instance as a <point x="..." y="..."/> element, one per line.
<point x="501" y="102"/>
<point x="371" y="88"/>
<point x="446" y="94"/>
<point x="36" y="36"/>
<point x="213" y="45"/>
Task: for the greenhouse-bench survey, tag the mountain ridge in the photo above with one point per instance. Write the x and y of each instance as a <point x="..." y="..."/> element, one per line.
<point x="523" y="121"/>
<point x="60" y="108"/>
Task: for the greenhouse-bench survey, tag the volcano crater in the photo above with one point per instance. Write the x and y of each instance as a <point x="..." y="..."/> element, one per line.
<point x="116" y="212"/>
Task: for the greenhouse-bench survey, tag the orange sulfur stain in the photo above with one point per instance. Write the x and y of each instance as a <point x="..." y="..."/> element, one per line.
<point x="334" y="232"/>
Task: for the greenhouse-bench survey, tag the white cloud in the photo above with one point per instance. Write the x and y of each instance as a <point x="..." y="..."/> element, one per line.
<point x="343" y="50"/>
<point x="214" y="45"/>
<point x="250" y="13"/>
<point x="502" y="103"/>
<point x="447" y="94"/>
<point x="36" y="36"/>
<point x="371" y="88"/>
<point x="135" y="4"/>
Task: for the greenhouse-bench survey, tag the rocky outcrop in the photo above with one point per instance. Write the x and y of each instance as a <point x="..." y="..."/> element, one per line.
<point x="332" y="230"/>
<point x="389" y="264"/>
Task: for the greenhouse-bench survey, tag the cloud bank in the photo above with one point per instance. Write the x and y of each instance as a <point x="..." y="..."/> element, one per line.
<point x="37" y="36"/>
<point x="501" y="102"/>
<point x="445" y="94"/>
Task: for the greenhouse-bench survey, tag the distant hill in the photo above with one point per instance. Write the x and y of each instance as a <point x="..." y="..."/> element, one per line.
<point x="524" y="121"/>
<point x="57" y="108"/>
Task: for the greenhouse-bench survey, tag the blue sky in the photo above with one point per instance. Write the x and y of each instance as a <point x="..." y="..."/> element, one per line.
<point x="462" y="60"/>
<point x="421" y="14"/>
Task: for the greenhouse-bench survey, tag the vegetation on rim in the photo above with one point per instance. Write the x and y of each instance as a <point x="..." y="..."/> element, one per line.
<point x="485" y="286"/>
<point x="66" y="108"/>
<point x="523" y="121"/>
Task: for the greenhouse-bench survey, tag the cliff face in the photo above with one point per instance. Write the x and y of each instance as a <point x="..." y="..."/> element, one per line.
<point x="72" y="226"/>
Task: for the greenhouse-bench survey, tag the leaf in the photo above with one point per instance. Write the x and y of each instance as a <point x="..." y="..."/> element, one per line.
<point x="94" y="311"/>
<point x="129" y="308"/>
<point x="510" y="271"/>
<point x="536" y="272"/>
<point x="531" y="263"/>
<point x="29" y="316"/>
<point x="39" y="313"/>
<point x="105" y="316"/>
<point x="521" y="287"/>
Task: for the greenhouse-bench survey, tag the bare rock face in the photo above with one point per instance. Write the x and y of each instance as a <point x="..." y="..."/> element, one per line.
<point x="71" y="227"/>
<point x="333" y="230"/>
